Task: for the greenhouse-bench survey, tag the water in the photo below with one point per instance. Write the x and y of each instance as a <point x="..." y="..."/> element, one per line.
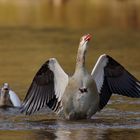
<point x="33" y="31"/>
<point x="109" y="124"/>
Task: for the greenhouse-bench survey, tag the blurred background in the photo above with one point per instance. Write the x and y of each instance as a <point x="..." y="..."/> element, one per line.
<point x="32" y="31"/>
<point x="70" y="14"/>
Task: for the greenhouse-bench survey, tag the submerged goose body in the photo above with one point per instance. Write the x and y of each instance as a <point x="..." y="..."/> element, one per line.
<point x="83" y="94"/>
<point x="8" y="97"/>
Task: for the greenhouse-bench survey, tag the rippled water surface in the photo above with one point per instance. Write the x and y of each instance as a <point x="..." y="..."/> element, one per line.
<point x="109" y="124"/>
<point x="32" y="32"/>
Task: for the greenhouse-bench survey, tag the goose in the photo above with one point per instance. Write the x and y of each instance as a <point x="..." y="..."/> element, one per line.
<point x="8" y="97"/>
<point x="81" y="95"/>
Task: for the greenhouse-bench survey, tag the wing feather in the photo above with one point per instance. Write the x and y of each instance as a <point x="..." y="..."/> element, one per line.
<point x="112" y="77"/>
<point x="46" y="89"/>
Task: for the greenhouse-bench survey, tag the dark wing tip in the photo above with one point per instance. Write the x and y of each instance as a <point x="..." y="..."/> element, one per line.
<point x="40" y="92"/>
<point x="119" y="81"/>
<point x="104" y="95"/>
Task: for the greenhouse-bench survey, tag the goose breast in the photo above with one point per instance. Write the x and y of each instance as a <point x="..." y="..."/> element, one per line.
<point x="80" y="98"/>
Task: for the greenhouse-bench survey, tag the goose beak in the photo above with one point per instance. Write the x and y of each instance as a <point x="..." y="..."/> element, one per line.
<point x="87" y="37"/>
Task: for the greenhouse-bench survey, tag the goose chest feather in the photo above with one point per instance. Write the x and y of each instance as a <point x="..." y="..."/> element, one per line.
<point x="80" y="97"/>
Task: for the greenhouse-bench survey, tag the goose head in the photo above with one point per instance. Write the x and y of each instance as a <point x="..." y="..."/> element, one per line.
<point x="84" y="42"/>
<point x="5" y="90"/>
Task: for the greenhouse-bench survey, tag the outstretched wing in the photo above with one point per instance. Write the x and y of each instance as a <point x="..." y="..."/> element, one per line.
<point x="46" y="89"/>
<point x="112" y="77"/>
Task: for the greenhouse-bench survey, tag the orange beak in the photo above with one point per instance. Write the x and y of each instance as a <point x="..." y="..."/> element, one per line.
<point x="87" y="37"/>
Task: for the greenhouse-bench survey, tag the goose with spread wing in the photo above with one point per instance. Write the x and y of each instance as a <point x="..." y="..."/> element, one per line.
<point x="8" y="97"/>
<point x="83" y="94"/>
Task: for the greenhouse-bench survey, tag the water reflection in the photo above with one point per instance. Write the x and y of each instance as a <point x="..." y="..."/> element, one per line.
<point x="120" y="134"/>
<point x="102" y="134"/>
<point x="100" y="128"/>
<point x="98" y="134"/>
<point x="81" y="134"/>
<point x="70" y="13"/>
<point x="86" y="134"/>
<point x="108" y="124"/>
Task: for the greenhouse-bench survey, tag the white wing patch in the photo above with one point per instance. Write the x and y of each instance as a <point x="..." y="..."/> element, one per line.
<point x="60" y="78"/>
<point x="98" y="71"/>
<point x="14" y="99"/>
